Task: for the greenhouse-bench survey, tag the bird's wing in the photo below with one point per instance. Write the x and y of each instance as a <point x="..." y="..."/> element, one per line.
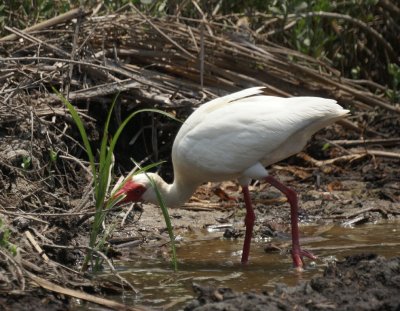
<point x="204" y="110"/>
<point x="232" y="137"/>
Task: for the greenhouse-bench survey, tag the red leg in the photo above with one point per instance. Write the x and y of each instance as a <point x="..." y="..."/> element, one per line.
<point x="291" y="195"/>
<point x="249" y="222"/>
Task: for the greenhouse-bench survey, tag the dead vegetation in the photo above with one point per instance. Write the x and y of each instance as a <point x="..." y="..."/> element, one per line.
<point x="173" y="63"/>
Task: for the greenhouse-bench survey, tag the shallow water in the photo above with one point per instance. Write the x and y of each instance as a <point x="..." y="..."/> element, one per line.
<point x="206" y="259"/>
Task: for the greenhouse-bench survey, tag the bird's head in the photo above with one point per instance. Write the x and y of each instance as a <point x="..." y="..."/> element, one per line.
<point x="137" y="189"/>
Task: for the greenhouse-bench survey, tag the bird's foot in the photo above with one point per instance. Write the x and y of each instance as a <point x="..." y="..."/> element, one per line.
<point x="298" y="255"/>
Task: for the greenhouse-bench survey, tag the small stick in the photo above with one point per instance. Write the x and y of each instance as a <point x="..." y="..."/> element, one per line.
<point x="126" y="214"/>
<point x="378" y="153"/>
<point x="71" y="65"/>
<point x="48" y="23"/>
<point x="102" y="255"/>
<point x="33" y="39"/>
<point x="80" y="294"/>
<point x="378" y="141"/>
<point x="319" y="163"/>
<point x="36" y="246"/>
<point x="202" y="56"/>
<point x="18" y="272"/>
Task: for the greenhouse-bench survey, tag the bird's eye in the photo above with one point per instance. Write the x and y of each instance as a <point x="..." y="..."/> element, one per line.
<point x="138" y="191"/>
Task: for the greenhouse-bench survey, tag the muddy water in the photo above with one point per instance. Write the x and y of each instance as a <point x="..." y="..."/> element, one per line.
<point x="206" y="258"/>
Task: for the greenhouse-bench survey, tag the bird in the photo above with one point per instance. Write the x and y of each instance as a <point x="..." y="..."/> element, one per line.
<point x="236" y="137"/>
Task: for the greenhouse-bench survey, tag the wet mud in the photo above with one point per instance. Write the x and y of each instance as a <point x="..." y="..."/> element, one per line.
<point x="362" y="282"/>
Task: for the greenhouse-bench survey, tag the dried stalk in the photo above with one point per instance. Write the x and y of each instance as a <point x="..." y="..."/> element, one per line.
<point x="50" y="22"/>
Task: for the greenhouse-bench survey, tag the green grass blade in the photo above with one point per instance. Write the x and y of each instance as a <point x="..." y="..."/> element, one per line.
<point x="82" y="132"/>
<point x="103" y="148"/>
<point x="105" y="161"/>
<point x="167" y="219"/>
<point x="102" y="174"/>
<point x="159" y="197"/>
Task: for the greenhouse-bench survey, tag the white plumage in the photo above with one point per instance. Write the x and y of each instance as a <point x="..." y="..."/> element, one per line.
<point x="228" y="135"/>
<point x="235" y="137"/>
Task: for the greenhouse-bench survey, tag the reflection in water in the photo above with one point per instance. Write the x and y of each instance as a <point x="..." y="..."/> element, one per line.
<point x="216" y="262"/>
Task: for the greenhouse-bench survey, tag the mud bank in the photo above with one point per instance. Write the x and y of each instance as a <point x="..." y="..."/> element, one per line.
<point x="363" y="282"/>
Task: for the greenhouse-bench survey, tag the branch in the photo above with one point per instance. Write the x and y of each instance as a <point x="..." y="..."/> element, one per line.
<point x="80" y="295"/>
<point x="50" y="22"/>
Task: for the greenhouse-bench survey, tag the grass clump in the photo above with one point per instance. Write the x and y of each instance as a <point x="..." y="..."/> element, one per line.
<point x="102" y="175"/>
<point x="5" y="243"/>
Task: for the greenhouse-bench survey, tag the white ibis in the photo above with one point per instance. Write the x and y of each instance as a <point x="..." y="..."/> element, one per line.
<point x="236" y="137"/>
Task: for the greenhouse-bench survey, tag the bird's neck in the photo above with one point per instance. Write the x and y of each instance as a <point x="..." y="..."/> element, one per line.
<point x="175" y="194"/>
